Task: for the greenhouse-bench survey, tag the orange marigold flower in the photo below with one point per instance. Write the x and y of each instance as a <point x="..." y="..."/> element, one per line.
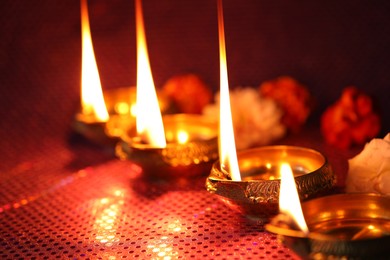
<point x="351" y="120"/>
<point x="188" y="93"/>
<point x="292" y="96"/>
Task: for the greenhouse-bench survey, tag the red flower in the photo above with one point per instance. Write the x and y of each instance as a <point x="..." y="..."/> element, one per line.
<point x="292" y="97"/>
<point x="351" y="120"/>
<point x="188" y="93"/>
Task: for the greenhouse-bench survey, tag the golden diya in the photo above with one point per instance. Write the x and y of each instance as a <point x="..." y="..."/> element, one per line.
<point x="342" y="226"/>
<point x="173" y="146"/>
<point x="249" y="181"/>
<point x="255" y="193"/>
<point x="104" y="115"/>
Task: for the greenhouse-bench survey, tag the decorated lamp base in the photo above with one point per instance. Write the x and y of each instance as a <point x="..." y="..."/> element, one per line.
<point x="257" y="195"/>
<point x="191" y="157"/>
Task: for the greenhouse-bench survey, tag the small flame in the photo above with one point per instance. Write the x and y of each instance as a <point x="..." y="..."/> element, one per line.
<point x="289" y="199"/>
<point x="227" y="146"/>
<point x="150" y="127"/>
<point x="92" y="100"/>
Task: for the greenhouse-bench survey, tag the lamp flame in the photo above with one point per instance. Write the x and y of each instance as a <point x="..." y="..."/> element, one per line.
<point x="289" y="203"/>
<point x="150" y="126"/>
<point x="92" y="100"/>
<point x="227" y="146"/>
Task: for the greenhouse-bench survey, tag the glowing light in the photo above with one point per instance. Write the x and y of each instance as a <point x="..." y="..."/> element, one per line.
<point x="175" y="226"/>
<point x="289" y="199"/>
<point x="150" y="127"/>
<point x="227" y="146"/>
<point x="104" y="201"/>
<point x="122" y="108"/>
<point x="118" y="193"/>
<point x="162" y="250"/>
<point x="92" y="100"/>
<point x="106" y="224"/>
<point x="182" y="137"/>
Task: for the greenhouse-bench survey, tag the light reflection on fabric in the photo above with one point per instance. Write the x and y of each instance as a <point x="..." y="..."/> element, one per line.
<point x="162" y="248"/>
<point x="106" y="223"/>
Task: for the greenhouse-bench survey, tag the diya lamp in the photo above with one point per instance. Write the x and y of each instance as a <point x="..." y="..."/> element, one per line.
<point x="104" y="115"/>
<point x="249" y="181"/>
<point x="256" y="193"/>
<point x="343" y="226"/>
<point x="173" y="146"/>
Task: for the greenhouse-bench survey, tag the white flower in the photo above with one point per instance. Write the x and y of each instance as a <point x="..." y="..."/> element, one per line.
<point x="256" y="120"/>
<point x="369" y="171"/>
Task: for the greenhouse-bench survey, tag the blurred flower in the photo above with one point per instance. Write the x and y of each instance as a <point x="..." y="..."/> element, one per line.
<point x="351" y="120"/>
<point x="369" y="171"/>
<point x="188" y="93"/>
<point x="292" y="96"/>
<point x="256" y="120"/>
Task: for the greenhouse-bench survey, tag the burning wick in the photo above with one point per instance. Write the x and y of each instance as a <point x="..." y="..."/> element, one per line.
<point x="289" y="204"/>
<point x="92" y="100"/>
<point x="150" y="128"/>
<point x="227" y="146"/>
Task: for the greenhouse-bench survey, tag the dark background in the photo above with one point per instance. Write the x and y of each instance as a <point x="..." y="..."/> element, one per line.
<point x="327" y="45"/>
